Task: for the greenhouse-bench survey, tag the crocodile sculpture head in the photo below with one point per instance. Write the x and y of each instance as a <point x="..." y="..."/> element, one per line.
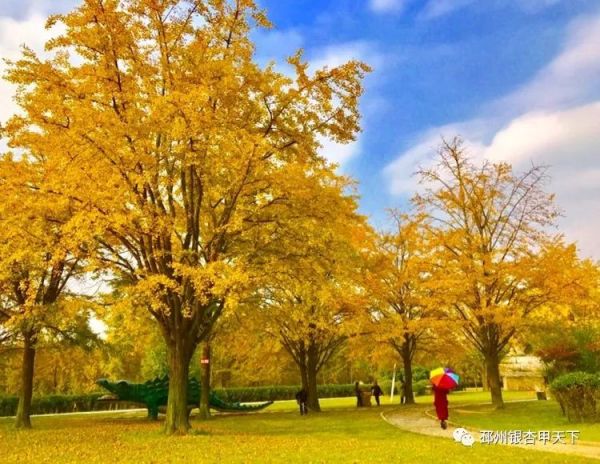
<point x="120" y="390"/>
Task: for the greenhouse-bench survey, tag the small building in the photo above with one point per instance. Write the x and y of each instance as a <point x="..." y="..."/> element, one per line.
<point x="522" y="373"/>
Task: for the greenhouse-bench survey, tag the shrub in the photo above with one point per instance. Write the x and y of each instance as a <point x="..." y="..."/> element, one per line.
<point x="386" y="386"/>
<point x="570" y="349"/>
<point x="421" y="387"/>
<point x="54" y="404"/>
<point x="578" y="394"/>
<point x="8" y="405"/>
<point x="279" y="393"/>
<point x="250" y="394"/>
<point x="420" y="373"/>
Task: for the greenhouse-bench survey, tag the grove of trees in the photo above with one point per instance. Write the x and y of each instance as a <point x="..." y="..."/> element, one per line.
<point x="154" y="156"/>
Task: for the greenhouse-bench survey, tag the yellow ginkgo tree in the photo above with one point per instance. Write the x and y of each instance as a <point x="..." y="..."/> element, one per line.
<point x="405" y="313"/>
<point x="497" y="264"/>
<point x="184" y="157"/>
<point x="315" y="299"/>
<point x="35" y="270"/>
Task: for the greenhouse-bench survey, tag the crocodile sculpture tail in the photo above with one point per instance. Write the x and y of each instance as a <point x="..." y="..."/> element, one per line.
<point x="217" y="403"/>
<point x="154" y="394"/>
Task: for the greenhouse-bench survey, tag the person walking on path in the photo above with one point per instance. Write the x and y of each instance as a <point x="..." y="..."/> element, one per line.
<point x="376" y="391"/>
<point x="440" y="402"/>
<point x="358" y="393"/>
<point x="302" y="399"/>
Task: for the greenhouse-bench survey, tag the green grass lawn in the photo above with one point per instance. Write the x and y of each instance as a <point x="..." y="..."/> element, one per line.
<point x="537" y="415"/>
<point x="341" y="433"/>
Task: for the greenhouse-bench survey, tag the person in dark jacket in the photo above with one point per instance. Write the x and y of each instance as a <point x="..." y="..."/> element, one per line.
<point x="440" y="402"/>
<point x="301" y="399"/>
<point x="358" y="393"/>
<point x="376" y="391"/>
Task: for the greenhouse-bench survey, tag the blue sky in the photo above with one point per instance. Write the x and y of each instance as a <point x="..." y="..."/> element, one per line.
<point x="518" y="79"/>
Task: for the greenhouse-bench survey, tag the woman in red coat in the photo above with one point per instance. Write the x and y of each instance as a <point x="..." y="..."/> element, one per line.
<point x="440" y="402"/>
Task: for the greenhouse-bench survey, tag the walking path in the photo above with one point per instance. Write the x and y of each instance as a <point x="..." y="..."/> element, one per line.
<point x="418" y="419"/>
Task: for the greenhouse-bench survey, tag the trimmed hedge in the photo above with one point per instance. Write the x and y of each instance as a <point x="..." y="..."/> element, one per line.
<point x="79" y="403"/>
<point x="421" y="387"/>
<point x="578" y="394"/>
<point x="288" y="392"/>
<point x="53" y="404"/>
<point x="279" y="393"/>
<point x="8" y="405"/>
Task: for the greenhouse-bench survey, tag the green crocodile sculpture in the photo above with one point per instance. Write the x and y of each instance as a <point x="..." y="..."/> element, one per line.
<point x="154" y="394"/>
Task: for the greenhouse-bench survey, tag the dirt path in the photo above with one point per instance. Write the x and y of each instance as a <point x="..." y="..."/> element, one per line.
<point x="417" y="419"/>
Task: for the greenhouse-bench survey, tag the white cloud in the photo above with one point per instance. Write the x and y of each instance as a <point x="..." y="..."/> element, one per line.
<point x="533" y="6"/>
<point x="555" y="136"/>
<point x="22" y="9"/>
<point x="276" y="45"/>
<point x="336" y="55"/>
<point x="436" y="8"/>
<point x="570" y="78"/>
<point x="569" y="142"/>
<point x="552" y="120"/>
<point x="386" y="6"/>
<point x="423" y="152"/>
<point x="340" y="153"/>
<point x="14" y="33"/>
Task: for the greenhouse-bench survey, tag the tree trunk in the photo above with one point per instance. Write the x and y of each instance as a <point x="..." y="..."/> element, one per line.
<point x="492" y="364"/>
<point x="204" y="413"/>
<point x="312" y="371"/>
<point x="179" y="354"/>
<point x="408" y="375"/>
<point x="304" y="377"/>
<point x="24" y="408"/>
<point x="484" y="378"/>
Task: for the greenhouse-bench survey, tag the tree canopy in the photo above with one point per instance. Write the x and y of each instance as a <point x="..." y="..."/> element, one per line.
<point x="183" y="158"/>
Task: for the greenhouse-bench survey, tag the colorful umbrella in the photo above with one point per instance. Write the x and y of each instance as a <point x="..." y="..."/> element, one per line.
<point x="444" y="377"/>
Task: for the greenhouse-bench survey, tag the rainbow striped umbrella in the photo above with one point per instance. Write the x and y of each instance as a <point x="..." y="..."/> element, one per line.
<point x="444" y="377"/>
